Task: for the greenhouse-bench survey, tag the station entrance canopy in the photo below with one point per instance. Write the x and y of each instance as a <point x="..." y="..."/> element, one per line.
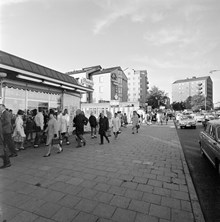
<point x="19" y="69"/>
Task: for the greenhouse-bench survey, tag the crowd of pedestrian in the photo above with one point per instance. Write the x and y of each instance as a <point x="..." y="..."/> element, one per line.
<point x="51" y="128"/>
<point x="156" y="117"/>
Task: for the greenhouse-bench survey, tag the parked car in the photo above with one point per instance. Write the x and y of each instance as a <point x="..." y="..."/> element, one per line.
<point x="187" y="121"/>
<point x="199" y="117"/>
<point x="207" y="118"/>
<point x="209" y="142"/>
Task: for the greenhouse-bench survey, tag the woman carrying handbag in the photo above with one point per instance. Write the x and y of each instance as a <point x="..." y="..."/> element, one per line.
<point x="18" y="134"/>
<point x="53" y="137"/>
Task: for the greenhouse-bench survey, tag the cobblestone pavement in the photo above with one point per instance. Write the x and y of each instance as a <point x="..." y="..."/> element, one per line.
<point x="141" y="178"/>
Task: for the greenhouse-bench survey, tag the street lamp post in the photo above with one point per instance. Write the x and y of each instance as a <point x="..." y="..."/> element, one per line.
<point x="214" y="70"/>
<point x="2" y="76"/>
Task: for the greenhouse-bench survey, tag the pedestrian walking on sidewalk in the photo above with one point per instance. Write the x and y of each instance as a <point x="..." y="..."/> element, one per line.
<point x="18" y="134"/>
<point x="79" y="122"/>
<point x="3" y="152"/>
<point x="7" y="130"/>
<point x="115" y="125"/>
<point x="135" y="122"/>
<point x="166" y="117"/>
<point x="125" y="120"/>
<point x="160" y="118"/>
<point x="103" y="128"/>
<point x="39" y="121"/>
<point x="64" y="126"/>
<point x="93" y="125"/>
<point x="53" y="137"/>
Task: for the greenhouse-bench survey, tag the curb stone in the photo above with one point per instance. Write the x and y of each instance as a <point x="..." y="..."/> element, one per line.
<point x="197" y="211"/>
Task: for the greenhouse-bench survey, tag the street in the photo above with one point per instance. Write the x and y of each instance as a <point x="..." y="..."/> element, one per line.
<point x="205" y="179"/>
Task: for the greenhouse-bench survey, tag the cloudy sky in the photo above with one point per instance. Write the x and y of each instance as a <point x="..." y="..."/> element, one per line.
<point x="171" y="39"/>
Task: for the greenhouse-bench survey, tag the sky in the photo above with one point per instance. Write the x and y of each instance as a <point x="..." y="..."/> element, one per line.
<point x="171" y="39"/>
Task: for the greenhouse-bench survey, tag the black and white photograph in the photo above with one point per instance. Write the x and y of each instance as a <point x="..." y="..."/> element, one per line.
<point x="109" y="111"/>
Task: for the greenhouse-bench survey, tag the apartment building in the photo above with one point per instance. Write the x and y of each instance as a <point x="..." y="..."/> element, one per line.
<point x="108" y="84"/>
<point x="138" y="85"/>
<point x="182" y="89"/>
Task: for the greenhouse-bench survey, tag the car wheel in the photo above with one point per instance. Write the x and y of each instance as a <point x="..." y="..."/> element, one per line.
<point x="217" y="166"/>
<point x="181" y="127"/>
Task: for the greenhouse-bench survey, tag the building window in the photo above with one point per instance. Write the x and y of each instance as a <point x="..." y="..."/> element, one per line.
<point x="101" y="89"/>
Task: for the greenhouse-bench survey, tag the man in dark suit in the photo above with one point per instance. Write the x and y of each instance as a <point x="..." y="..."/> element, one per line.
<point x="4" y="155"/>
<point x="103" y="127"/>
<point x="79" y="122"/>
<point x="7" y="130"/>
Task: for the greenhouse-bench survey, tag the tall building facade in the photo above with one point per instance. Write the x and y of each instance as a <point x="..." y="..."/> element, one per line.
<point x="108" y="84"/>
<point x="182" y="89"/>
<point x="138" y="85"/>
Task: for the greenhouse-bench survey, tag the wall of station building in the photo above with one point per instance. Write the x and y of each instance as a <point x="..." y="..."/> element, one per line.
<point x="98" y="108"/>
<point x="16" y="97"/>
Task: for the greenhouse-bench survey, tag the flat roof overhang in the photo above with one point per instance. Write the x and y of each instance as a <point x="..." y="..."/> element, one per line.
<point x="47" y="80"/>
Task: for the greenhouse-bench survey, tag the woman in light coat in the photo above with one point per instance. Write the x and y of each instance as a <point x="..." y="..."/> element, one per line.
<point x="52" y="131"/>
<point x="18" y="134"/>
<point x="64" y="126"/>
<point x="116" y="124"/>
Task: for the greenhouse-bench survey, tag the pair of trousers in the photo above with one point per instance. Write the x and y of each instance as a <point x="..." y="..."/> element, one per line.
<point x="79" y="138"/>
<point x="102" y="135"/>
<point x="38" y="137"/>
<point x="8" y="141"/>
<point x="5" y="156"/>
<point x="93" y="131"/>
<point x="64" y="137"/>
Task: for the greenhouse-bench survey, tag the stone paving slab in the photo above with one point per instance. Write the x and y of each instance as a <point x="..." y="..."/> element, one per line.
<point x="137" y="177"/>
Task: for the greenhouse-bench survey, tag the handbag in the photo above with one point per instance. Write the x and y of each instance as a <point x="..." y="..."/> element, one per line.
<point x="57" y="140"/>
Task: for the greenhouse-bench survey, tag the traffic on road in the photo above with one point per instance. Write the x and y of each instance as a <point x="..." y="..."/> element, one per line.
<point x="202" y="152"/>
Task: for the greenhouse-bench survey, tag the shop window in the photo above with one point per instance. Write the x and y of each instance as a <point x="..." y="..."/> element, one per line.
<point x="14" y="93"/>
<point x="15" y="104"/>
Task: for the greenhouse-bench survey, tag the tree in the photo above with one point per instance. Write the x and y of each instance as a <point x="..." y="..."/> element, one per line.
<point x="199" y="102"/>
<point x="178" y="106"/>
<point x="156" y="97"/>
<point x="188" y="103"/>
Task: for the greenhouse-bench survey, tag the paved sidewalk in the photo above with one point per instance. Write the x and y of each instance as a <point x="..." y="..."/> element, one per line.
<point x="136" y="178"/>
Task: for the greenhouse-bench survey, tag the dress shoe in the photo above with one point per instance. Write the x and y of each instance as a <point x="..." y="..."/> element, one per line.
<point x="101" y="143"/>
<point x="13" y="155"/>
<point x="5" y="166"/>
<point x="61" y="150"/>
<point x="47" y="155"/>
<point x="78" y="146"/>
